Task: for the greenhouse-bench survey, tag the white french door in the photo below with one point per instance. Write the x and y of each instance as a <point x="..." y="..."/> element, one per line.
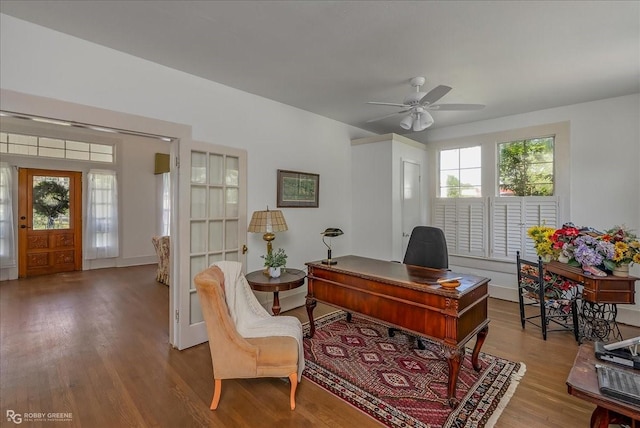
<point x="212" y="226"/>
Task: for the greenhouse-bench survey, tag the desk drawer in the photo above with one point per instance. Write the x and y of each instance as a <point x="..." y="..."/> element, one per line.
<point x="609" y="291"/>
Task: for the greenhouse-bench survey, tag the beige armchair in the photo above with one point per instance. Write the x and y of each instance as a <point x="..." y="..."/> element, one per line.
<point x="161" y="244"/>
<point x="234" y="356"/>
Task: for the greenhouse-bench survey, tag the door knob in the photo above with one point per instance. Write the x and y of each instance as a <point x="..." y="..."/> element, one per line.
<point x="22" y="226"/>
<point x="244" y="249"/>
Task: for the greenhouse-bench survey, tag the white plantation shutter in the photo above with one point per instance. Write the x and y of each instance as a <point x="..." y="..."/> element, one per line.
<point x="538" y="211"/>
<point x="464" y="223"/>
<point x="471" y="225"/>
<point x="471" y="221"/>
<point x="444" y="217"/>
<point x="506" y="226"/>
<point x="511" y="218"/>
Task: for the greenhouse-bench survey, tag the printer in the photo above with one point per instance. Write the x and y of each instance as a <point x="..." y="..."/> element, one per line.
<point x="625" y="352"/>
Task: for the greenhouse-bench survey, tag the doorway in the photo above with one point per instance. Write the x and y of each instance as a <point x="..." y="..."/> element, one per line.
<point x="49" y="221"/>
<point x="411" y="201"/>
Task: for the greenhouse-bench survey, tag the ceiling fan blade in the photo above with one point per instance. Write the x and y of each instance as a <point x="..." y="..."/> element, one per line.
<point x="387" y="104"/>
<point x="388" y="115"/>
<point x="452" y="107"/>
<point x="435" y="94"/>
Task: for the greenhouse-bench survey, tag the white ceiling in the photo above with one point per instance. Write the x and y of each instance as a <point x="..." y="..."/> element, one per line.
<point x="331" y="57"/>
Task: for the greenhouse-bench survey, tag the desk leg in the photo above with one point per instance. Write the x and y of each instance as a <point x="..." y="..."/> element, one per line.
<point x="311" y="305"/>
<point x="454" y="357"/>
<point x="276" y="303"/>
<point x="482" y="335"/>
<point x="600" y="418"/>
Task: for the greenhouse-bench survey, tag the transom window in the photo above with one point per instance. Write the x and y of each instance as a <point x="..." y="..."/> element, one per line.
<point x="526" y="167"/>
<point x="30" y="145"/>
<point x="461" y="172"/>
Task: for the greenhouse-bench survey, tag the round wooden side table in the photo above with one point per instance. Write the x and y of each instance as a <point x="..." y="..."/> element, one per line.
<point x="288" y="280"/>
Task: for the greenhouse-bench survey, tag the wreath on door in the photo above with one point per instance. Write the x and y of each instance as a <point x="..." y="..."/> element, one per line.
<point x="50" y="199"/>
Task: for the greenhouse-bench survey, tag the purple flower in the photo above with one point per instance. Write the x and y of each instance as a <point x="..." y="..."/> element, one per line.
<point x="590" y="251"/>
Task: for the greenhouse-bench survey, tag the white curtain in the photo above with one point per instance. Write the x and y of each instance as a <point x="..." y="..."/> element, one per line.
<point x="7" y="235"/>
<point x="166" y="204"/>
<point x="101" y="225"/>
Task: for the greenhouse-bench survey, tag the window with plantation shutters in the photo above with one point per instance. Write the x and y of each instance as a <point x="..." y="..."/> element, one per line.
<point x="521" y="185"/>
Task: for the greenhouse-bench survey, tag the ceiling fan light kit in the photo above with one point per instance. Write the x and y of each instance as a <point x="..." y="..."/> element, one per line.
<point x="406" y="122"/>
<point x="417" y="103"/>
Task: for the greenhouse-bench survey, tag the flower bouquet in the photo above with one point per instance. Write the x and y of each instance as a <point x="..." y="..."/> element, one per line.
<point x="562" y="241"/>
<point x="626" y="248"/>
<point x="541" y="236"/>
<point x="594" y="251"/>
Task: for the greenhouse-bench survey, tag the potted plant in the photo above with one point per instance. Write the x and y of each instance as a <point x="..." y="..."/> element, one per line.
<point x="275" y="261"/>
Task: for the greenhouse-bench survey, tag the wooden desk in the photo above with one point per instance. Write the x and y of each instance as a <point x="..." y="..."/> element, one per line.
<point x="600" y="296"/>
<point x="408" y="298"/>
<point x="288" y="280"/>
<point x="583" y="383"/>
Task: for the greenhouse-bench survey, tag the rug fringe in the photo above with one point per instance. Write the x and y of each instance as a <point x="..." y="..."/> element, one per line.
<point x="504" y="401"/>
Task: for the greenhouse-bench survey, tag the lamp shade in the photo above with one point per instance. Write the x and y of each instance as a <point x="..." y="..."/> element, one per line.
<point x="267" y="222"/>
<point x="331" y="232"/>
<point x="406" y="122"/>
<point x="426" y="120"/>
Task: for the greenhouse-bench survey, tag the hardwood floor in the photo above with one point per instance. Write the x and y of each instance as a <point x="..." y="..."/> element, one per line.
<point x="95" y="344"/>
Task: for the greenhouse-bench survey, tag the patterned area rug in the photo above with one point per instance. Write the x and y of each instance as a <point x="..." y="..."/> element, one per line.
<point x="399" y="385"/>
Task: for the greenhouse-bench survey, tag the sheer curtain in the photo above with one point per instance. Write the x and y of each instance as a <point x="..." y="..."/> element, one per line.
<point x="101" y="229"/>
<point x="166" y="204"/>
<point x="7" y="235"/>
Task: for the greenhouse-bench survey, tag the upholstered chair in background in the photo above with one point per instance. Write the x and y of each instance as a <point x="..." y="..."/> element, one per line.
<point x="161" y="244"/>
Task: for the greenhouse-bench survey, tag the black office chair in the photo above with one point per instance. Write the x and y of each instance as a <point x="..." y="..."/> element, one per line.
<point x="553" y="299"/>
<point x="427" y="247"/>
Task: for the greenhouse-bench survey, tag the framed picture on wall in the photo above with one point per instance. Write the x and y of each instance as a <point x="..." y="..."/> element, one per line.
<point x="298" y="189"/>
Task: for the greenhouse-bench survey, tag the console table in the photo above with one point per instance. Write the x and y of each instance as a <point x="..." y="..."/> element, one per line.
<point x="408" y="298"/>
<point x="600" y="297"/>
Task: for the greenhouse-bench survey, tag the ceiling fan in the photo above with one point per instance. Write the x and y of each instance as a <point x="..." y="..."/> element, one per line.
<point x="417" y="104"/>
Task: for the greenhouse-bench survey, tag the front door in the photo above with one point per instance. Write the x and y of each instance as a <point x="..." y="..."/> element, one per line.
<point x="49" y="221"/>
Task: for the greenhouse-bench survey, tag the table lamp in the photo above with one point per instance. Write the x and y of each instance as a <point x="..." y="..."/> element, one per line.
<point x="331" y="232"/>
<point x="267" y="222"/>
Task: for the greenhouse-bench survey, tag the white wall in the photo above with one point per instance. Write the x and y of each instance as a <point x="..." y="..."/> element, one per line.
<point x="372" y="200"/>
<point x="42" y="62"/>
<point x="604" y="171"/>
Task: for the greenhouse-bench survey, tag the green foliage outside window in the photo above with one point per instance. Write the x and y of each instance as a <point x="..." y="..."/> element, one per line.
<point x="526" y="167"/>
<point x="50" y="203"/>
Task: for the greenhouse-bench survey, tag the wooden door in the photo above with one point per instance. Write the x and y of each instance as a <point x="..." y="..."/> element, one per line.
<point x="49" y="221"/>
